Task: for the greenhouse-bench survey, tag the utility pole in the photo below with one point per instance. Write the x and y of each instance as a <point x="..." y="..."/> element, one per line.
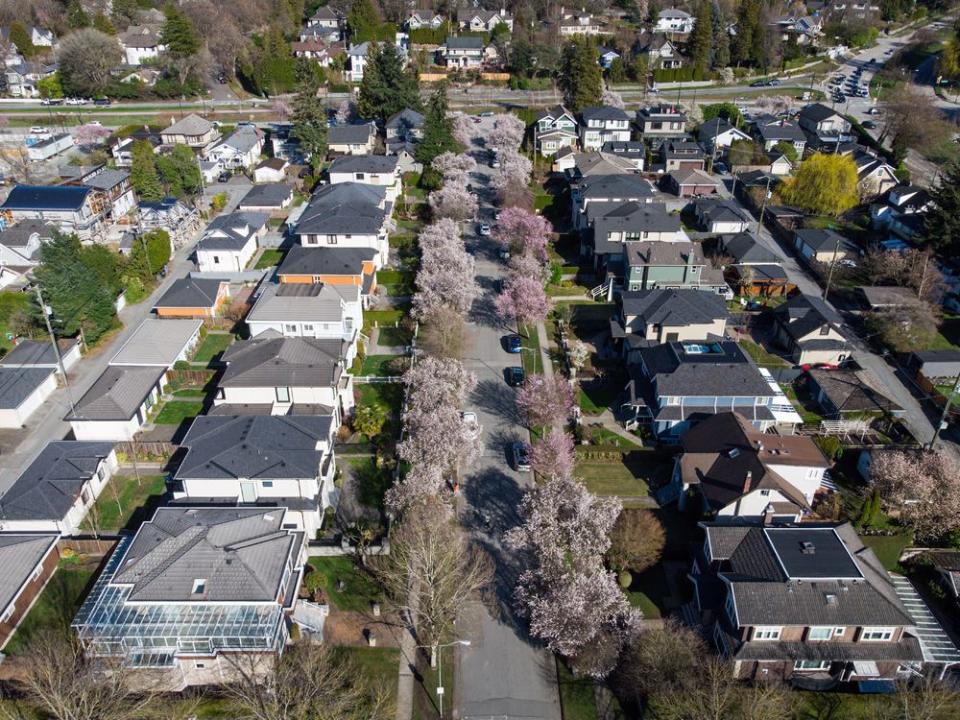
<point x="763" y="207"/>
<point x="833" y="264"/>
<point x="56" y="348"/>
<point x="944" y="415"/>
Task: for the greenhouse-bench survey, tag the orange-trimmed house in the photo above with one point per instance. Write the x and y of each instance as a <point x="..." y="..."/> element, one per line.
<point x="331" y="266"/>
<point x="191" y="297"/>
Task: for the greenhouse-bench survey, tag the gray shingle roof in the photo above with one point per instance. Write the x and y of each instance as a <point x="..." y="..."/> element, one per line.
<point x="192" y="124"/>
<point x="659" y="253"/>
<point x="17" y="384"/>
<point x="744" y="248"/>
<point x="191" y="292"/>
<point x="723" y="370"/>
<point x="802" y="314"/>
<point x="232" y="231"/>
<point x="240" y="553"/>
<point x="464" y="42"/>
<point x="244" y="138"/>
<point x="272" y="195"/>
<point x="255" y="446"/>
<point x="158" y="343"/>
<point x="621" y="186"/>
<point x="349" y="134"/>
<point x="818" y="239"/>
<point x="348" y="207"/>
<point x="604" y="113"/>
<point x="364" y="163"/>
<point x="277" y="361"/>
<point x="36" y="353"/>
<point x="51" y="484"/>
<point x="325" y="261"/>
<point x="106" y="179"/>
<point x="673" y="308"/>
<point x="406" y="118"/>
<point x="298" y="302"/>
<point x="817" y="112"/>
<point x="19" y="557"/>
<point x="849" y="391"/>
<point x="774" y="130"/>
<point x="19" y="235"/>
<point x="118" y="393"/>
<point x="721" y="210"/>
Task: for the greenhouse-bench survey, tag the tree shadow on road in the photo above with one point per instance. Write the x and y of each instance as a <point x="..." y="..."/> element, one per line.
<point x="496" y="397"/>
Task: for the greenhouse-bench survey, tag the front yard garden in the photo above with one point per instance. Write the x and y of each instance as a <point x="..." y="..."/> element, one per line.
<point x="125" y="503"/>
<point x="269" y="258"/>
<point x="346" y="587"/>
<point x="174" y="412"/>
<point x="212" y="347"/>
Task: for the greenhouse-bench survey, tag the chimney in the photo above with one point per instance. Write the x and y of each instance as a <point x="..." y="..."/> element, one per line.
<point x="768" y="515"/>
<point x="747" y="481"/>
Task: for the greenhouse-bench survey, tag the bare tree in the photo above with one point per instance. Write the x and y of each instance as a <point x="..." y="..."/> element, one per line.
<point x="444" y="335"/>
<point x="659" y="661"/>
<point x="712" y="696"/>
<point x="432" y="570"/>
<point x="925" y="698"/>
<point x="309" y="681"/>
<point x="636" y="541"/>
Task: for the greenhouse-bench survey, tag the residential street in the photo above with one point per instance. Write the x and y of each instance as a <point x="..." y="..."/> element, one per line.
<point x="502" y="674"/>
<point x="47" y="424"/>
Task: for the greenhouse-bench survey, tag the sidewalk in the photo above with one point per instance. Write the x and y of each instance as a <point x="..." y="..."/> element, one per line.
<point x="543" y="341"/>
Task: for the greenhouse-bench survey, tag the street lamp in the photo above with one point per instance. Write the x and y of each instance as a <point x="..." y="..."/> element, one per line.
<point x="437" y="649"/>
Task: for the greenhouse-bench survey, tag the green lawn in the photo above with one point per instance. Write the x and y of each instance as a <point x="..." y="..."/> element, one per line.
<point x="613" y="478"/>
<point x="124" y="503"/>
<point x="386" y="395"/>
<point x="211" y="347"/>
<point x="377" y="365"/>
<point x="175" y="412"/>
<point x="803" y="406"/>
<point x="602" y="436"/>
<point x="530" y="355"/>
<point x="378" y="665"/>
<point x="577" y="698"/>
<point x="359" y="589"/>
<point x="269" y="259"/>
<point x="394" y="337"/>
<point x="190" y="392"/>
<point x="594" y="398"/>
<point x="396" y="282"/>
<point x="382" y="318"/>
<point x="56" y="606"/>
<point x="761" y="357"/>
<point x="372" y="482"/>
<point x="11" y="303"/>
<point x="888" y="548"/>
<point x="649" y="591"/>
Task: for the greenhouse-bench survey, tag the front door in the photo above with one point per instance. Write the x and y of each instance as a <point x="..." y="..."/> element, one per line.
<point x="248" y="492"/>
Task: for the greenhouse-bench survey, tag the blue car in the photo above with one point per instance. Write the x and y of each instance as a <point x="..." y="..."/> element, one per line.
<point x="514" y="344"/>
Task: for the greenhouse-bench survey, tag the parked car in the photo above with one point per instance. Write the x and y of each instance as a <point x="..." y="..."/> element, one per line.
<point x="773" y="83"/>
<point x="487" y="113"/>
<point x="521" y="457"/>
<point x="39" y="130"/>
<point x="484" y="229"/>
<point x="758" y="83"/>
<point x="494" y="163"/>
<point x="224" y="176"/>
<point x="869" y="125"/>
<point x="720" y="168"/>
<point x="102" y="101"/>
<point x="514" y="344"/>
<point x="471" y="424"/>
<point x="515" y="376"/>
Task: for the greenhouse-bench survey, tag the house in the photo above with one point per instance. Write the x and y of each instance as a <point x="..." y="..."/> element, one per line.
<point x="825" y="246"/>
<point x="718" y="133"/>
<point x="68" y="208"/>
<point x="932" y="364"/>
<point x="771" y="131"/>
<point x="357" y="56"/>
<point x="755" y="270"/>
<point x="271" y="170"/>
<point x="801" y="30"/>
<point x="29" y="561"/>
<point x="176" y="217"/>
<point x="117" y="405"/>
<point x="661" y="53"/>
<point x="23" y="77"/>
<point x="57" y="489"/>
<point x="848" y="393"/>
<point x="668" y="315"/>
<point x="672" y="20"/>
<point x="464" y="52"/>
<point x="348" y="214"/>
<point x="425" y="20"/>
<point x="607" y="56"/>
<point x="22" y="391"/>
<point x="809" y="604"/>
<point x="721" y="216"/>
<point x="901" y="211"/>
<point x="554" y="129"/>
<point x="20" y="250"/>
<point x="663" y="122"/>
<point x="883" y="297"/>
<point x="608" y="191"/>
<point x="734" y="470"/>
<point x="379" y="170"/>
<point x="49" y="147"/>
<point x="115" y="191"/>
<point x="121" y="149"/>
<point x="572" y="24"/>
<point x="674" y="385"/>
<point x="823" y="126"/>
<point x="331" y="312"/>
<point x="140" y="43"/>
<point x="631" y="155"/>
<point x="629" y="222"/>
<point x="28" y="354"/>
<point x="193" y="297"/>
<point x="810" y="331"/>
<point x="476" y="20"/>
<point x="230" y="241"/>
<point x="240" y="150"/>
<point x="780" y="165"/>
<point x="947" y="565"/>
<point x="331" y="266"/>
<point x="603" y="124"/>
<point x="351" y="139"/>
<point x="193" y="130"/>
<point x="690" y="182"/>
<point x="404" y="131"/>
<point x="159" y="343"/>
<point x="874" y="176"/>
<point x="276" y="375"/>
<point x="230" y="577"/>
<point x="267" y="198"/>
<point x="682" y="155"/>
<point x="651" y="265"/>
<point x="745" y="249"/>
<point x="324" y="17"/>
<point x="317" y="49"/>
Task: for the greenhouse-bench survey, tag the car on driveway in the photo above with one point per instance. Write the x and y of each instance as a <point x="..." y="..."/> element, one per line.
<point x="869" y="125"/>
<point x="521" y="456"/>
<point x="515" y="376"/>
<point x="514" y="344"/>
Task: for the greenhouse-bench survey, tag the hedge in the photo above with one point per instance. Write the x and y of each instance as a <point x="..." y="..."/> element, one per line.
<point x="427" y="36"/>
<point x="686" y="74"/>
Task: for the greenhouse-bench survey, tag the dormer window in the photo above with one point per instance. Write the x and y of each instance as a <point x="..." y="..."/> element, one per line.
<point x="199" y="586"/>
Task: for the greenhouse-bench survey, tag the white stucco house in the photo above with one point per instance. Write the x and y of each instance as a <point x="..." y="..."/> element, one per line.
<point x="230" y="241"/>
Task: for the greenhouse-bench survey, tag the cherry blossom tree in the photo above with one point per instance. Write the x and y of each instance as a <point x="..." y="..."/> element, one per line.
<point x="454" y="167"/>
<point x="512" y="184"/>
<point x="433" y="382"/>
<point x="441" y="233"/>
<point x="453" y="201"/>
<point x="612" y="99"/>
<point x="572" y="601"/>
<point x="924" y="485"/>
<point x="522" y="232"/>
<point x="345" y="111"/>
<point x="90" y="134"/>
<point x="529" y="266"/>
<point x="552" y="455"/>
<point x="281" y="108"/>
<point x="546" y="400"/>
<point x="463" y="129"/>
<point x="445" y="280"/>
<point x="523" y="299"/>
<point x="507" y="132"/>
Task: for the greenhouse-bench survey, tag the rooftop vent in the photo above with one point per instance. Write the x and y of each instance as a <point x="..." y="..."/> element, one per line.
<point x="831" y="599"/>
<point x="733" y="452"/>
<point x="808" y="548"/>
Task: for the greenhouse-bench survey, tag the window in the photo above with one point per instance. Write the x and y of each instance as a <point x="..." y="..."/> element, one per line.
<point x="283" y="394"/>
<point x="308" y="327"/>
<point x="199" y="586"/>
<point x="290" y="328"/>
<point x="331" y="239"/>
<point x="824" y="329"/>
<point x="266" y="483"/>
<point x="766" y="632"/>
<point x="85" y="495"/>
<point x="731" y="608"/>
<point x="216" y="259"/>
<point x="360" y="177"/>
<point x="811" y="665"/>
<point x="221" y="394"/>
<point x="876" y="634"/>
<point x="765" y="493"/>
<point x="100" y="474"/>
<point x="820" y="633"/>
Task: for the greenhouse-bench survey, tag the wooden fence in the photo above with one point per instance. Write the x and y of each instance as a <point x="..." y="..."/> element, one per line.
<point x="88" y="544"/>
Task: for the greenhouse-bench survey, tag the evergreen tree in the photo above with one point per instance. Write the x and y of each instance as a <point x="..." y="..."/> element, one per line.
<point x="748" y="26"/>
<point x="143" y="172"/>
<point x="387" y="88"/>
<point x="721" y="42"/>
<point x="170" y="179"/>
<point x="310" y="123"/>
<point x="580" y="77"/>
<point x="617" y="72"/>
<point x="21" y="39"/>
<point x="941" y="227"/>
<point x="102" y="23"/>
<point x="437" y="129"/>
<point x="363" y="21"/>
<point x="76" y="16"/>
<point x="179" y="35"/>
<point x="187" y="169"/>
<point x="701" y="39"/>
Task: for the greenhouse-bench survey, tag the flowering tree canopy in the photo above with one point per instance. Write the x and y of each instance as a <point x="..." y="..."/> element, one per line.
<point x="447" y="277"/>
<point x="507" y="132"/>
<point x="926" y="487"/>
<point x="453" y="201"/>
<point x="612" y="99"/>
<point x="552" y="455"/>
<point x="454" y="167"/>
<point x="523" y="299"/>
<point x="90" y="134"/>
<point x="463" y="130"/>
<point x="546" y="400"/>
<point x="522" y="232"/>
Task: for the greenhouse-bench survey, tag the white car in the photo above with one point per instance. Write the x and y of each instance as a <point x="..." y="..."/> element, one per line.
<point x="39" y="130"/>
<point x="471" y="424"/>
<point x="484" y="229"/>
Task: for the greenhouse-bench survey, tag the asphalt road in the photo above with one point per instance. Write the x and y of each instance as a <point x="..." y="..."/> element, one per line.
<point x="502" y="674"/>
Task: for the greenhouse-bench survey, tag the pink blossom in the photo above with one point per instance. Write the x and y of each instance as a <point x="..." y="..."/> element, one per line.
<point x="281" y="108"/>
<point x="90" y="134"/>
<point x="454" y="168"/>
<point x="523" y="299"/>
<point x="522" y="232"/>
<point x="453" y="201"/>
<point x="546" y="400"/>
<point x="924" y="486"/>
<point x="463" y="129"/>
<point x="552" y="455"/>
<point x="507" y="132"/>
<point x="612" y="99"/>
